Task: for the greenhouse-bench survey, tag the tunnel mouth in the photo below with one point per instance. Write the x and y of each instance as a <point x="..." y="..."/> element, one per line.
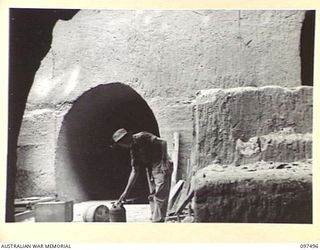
<point x="87" y="166"/>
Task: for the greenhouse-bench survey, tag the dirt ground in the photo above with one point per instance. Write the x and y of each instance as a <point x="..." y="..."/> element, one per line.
<point x="139" y="213"/>
<point x="135" y="213"/>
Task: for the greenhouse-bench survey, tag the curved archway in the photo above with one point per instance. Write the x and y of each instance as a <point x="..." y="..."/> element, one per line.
<point x="87" y="168"/>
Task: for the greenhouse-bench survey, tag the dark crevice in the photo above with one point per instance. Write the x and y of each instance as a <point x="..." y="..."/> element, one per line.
<point x="30" y="39"/>
<point x="307" y="48"/>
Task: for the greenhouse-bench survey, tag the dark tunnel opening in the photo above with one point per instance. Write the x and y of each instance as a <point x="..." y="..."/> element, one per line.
<point x="84" y="155"/>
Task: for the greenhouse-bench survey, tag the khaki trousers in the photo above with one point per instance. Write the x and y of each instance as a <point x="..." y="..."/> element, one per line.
<point x="159" y="199"/>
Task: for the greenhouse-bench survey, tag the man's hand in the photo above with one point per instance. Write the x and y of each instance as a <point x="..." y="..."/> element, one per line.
<point x="132" y="179"/>
<point x="122" y="198"/>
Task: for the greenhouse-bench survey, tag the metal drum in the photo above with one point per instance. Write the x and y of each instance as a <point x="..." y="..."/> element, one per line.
<point x="96" y="213"/>
<point x="117" y="213"/>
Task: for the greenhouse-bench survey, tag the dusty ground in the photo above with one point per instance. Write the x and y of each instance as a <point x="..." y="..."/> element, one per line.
<point x="135" y="213"/>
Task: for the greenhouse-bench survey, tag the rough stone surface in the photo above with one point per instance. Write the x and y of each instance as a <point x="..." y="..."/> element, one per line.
<point x="36" y="150"/>
<point x="262" y="193"/>
<point x="278" y="147"/>
<point x="274" y="121"/>
<point x="170" y="53"/>
<point x="174" y="115"/>
<point x="38" y="127"/>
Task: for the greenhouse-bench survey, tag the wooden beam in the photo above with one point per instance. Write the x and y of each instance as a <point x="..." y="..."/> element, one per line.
<point x="175" y="158"/>
<point x="185" y="202"/>
<point x="174" y="193"/>
<point x="24" y="216"/>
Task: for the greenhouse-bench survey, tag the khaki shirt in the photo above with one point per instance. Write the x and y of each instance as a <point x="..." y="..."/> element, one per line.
<point x="146" y="151"/>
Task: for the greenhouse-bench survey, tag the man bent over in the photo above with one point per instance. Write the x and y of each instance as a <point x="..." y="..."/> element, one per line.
<point x="148" y="153"/>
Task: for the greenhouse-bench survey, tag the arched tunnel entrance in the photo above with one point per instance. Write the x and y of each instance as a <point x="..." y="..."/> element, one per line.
<point x="87" y="168"/>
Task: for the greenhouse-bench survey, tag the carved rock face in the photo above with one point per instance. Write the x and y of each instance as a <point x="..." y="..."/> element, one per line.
<point x="261" y="192"/>
<point x="244" y="125"/>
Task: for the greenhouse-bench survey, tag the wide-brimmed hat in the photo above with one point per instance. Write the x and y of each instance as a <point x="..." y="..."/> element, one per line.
<point x="119" y="134"/>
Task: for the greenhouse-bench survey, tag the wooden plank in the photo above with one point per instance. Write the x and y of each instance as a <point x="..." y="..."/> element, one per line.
<point x="188" y="192"/>
<point x="175" y="158"/>
<point x="190" y="195"/>
<point x="24" y="216"/>
<point x="32" y="201"/>
<point x="185" y="202"/>
<point x="174" y="193"/>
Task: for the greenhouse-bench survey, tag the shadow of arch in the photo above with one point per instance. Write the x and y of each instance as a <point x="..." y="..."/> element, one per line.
<point x="86" y="167"/>
<point x="30" y="40"/>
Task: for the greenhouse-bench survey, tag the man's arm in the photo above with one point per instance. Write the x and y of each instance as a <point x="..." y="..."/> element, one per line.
<point x="167" y="164"/>
<point x="132" y="179"/>
<point x="164" y="153"/>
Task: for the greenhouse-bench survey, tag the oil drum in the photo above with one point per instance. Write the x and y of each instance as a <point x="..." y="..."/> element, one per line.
<point x="117" y="213"/>
<point x="96" y="213"/>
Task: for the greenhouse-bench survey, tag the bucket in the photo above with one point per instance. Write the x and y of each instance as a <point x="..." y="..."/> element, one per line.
<point x="96" y="213"/>
<point x="117" y="213"/>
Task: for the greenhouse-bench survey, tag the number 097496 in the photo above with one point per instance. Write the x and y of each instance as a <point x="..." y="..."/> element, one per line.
<point x="306" y="246"/>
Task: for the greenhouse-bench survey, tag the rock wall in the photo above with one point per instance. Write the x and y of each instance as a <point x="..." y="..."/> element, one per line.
<point x="170" y="53"/>
<point x="174" y="115"/>
<point x="36" y="152"/>
<point x="254" y="150"/>
<point x="255" y="193"/>
<point x="278" y="147"/>
<point x="267" y="123"/>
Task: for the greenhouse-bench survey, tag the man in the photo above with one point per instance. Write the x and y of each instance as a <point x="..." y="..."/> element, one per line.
<point x="148" y="153"/>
